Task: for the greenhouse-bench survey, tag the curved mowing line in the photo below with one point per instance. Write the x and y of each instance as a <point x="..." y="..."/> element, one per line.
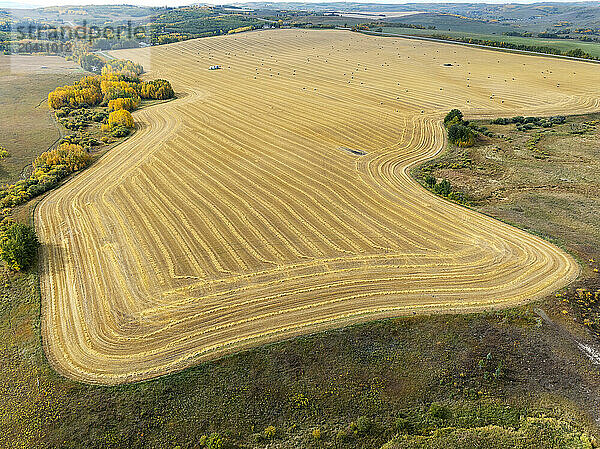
<point x="231" y="218"/>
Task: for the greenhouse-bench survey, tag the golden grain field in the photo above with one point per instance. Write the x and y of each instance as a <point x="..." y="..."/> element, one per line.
<point x="237" y="215"/>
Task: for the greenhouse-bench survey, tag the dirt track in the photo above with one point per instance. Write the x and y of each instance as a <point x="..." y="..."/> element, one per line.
<point x="233" y="218"/>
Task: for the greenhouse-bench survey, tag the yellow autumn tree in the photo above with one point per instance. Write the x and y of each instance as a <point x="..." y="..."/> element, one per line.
<point x="116" y="86"/>
<point x="122" y="67"/>
<point x="123" y="103"/>
<point x="72" y="156"/>
<point x="156" y="90"/>
<point x="120" y="117"/>
<point x="85" y="92"/>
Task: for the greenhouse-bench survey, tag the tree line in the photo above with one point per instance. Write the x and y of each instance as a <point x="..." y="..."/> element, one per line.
<point x="118" y="87"/>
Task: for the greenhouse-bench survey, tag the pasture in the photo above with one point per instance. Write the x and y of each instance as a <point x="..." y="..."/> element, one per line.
<point x="236" y="216"/>
<point x="26" y="125"/>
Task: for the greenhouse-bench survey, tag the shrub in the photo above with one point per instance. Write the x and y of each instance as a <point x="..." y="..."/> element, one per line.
<point x="18" y="246"/>
<point x="120" y="118"/>
<point x="364" y="425"/>
<point x="60" y="113"/>
<point x="461" y="135"/>
<point x="443" y="188"/>
<point x="214" y="441"/>
<point x="459" y="197"/>
<point x="341" y="436"/>
<point x="403" y="425"/>
<point x="439" y="411"/>
<point x="270" y="432"/>
<point x="316" y="433"/>
<point x="73" y="157"/>
<point x="120" y="131"/>
<point x="99" y="117"/>
<point x="430" y="181"/>
<point x="3" y="152"/>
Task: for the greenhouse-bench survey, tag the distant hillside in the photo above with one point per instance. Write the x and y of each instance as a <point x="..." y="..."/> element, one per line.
<point x="536" y="16"/>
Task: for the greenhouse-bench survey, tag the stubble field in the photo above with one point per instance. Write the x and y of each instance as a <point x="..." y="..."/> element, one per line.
<point x="246" y="211"/>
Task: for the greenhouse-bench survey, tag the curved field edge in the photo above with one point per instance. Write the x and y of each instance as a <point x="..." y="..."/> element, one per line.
<point x="380" y="172"/>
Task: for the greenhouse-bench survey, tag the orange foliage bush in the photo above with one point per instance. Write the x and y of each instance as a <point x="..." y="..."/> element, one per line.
<point x="120" y="117"/>
<point x="73" y="157"/>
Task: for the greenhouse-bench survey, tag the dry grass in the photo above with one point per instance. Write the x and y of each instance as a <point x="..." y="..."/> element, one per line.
<point x="233" y="217"/>
<point x="26" y="125"/>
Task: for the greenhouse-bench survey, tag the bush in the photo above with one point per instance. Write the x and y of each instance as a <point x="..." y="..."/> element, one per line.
<point x="120" y="131"/>
<point x="120" y="118"/>
<point x="439" y="411"/>
<point x="461" y="135"/>
<point x="270" y="432"/>
<point x="18" y="246"/>
<point x="316" y="433"/>
<point x="443" y="188"/>
<point x="364" y="425"/>
<point x="430" y="181"/>
<point x="403" y="425"/>
<point x="99" y="117"/>
<point x="214" y="441"/>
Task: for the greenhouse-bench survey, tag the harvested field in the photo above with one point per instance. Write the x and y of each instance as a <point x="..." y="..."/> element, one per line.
<point x="232" y="218"/>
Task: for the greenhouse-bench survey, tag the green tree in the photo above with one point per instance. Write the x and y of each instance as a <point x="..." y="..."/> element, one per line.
<point x="430" y="181"/>
<point x="443" y="188"/>
<point x="18" y="246"/>
<point x="454" y="116"/>
<point x="461" y="135"/>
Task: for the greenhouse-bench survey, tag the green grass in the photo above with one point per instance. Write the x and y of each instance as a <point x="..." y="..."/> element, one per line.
<point x="543" y="180"/>
<point x="335" y="381"/>
<point x="527" y="433"/>
<point x="564" y="45"/>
